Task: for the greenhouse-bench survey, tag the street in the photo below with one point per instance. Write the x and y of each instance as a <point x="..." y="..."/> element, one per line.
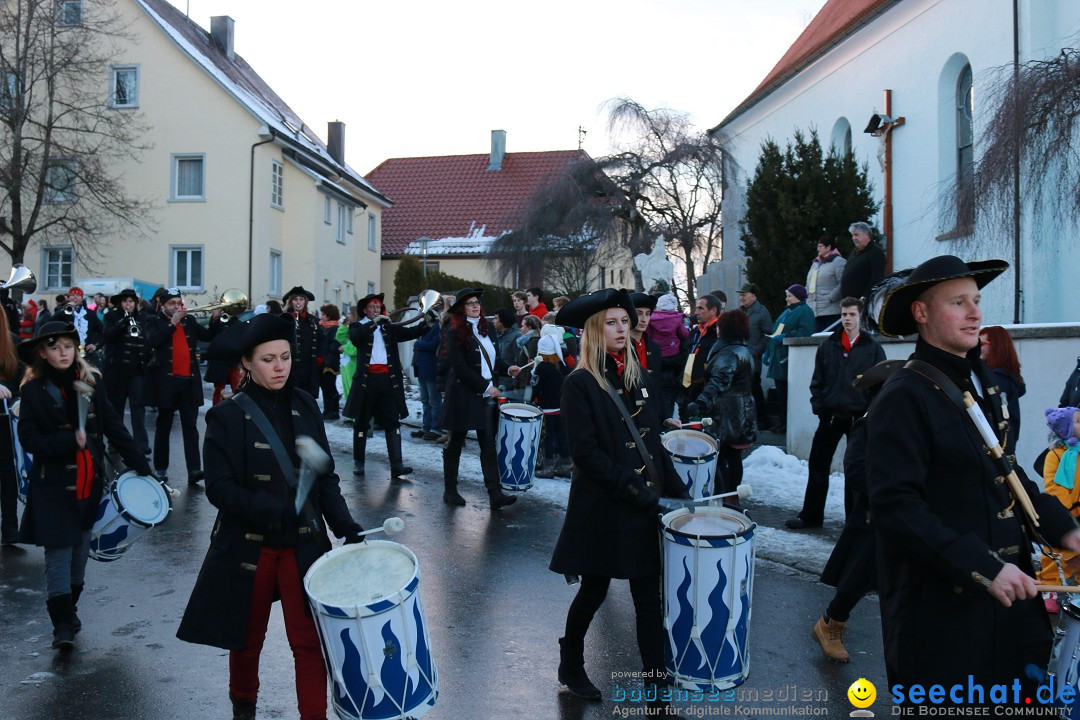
<point x="493" y="610"/>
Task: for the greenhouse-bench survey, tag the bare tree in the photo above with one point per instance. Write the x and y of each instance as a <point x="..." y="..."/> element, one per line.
<point x="61" y="135"/>
<point x="672" y="176"/>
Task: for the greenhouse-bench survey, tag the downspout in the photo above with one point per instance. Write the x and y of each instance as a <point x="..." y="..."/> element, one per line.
<point x="1017" y="298"/>
<point x="887" y="211"/>
<point x="263" y="131"/>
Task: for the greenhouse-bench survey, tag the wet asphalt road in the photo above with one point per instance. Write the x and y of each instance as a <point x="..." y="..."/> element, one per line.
<point x="493" y="610"/>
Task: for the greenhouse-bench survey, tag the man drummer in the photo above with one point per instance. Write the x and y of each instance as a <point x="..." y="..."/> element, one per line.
<point x="959" y="604"/>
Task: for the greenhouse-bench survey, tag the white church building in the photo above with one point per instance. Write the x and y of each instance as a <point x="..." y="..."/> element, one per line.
<point x="933" y="62"/>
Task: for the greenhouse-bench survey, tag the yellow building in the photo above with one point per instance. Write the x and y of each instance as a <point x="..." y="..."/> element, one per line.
<point x="245" y="194"/>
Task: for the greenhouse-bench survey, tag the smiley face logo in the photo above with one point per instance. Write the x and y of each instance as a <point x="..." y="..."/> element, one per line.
<point x="862" y="693"/>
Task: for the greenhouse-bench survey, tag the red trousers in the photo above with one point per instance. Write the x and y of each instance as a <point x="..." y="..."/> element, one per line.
<point x="236" y="374"/>
<point x="277" y="571"/>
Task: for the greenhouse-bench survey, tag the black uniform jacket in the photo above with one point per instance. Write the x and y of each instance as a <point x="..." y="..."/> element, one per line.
<point x="123" y="353"/>
<point x="53" y="516"/>
<point x="362" y="335"/>
<point x="243" y="482"/>
<point x="831" y="391"/>
<point x="158" y="330"/>
<point x="945" y="526"/>
<point x="308" y="348"/>
<point x="465" y="406"/>
<point x="653" y="358"/>
<point x="606" y="532"/>
<point x="727" y="396"/>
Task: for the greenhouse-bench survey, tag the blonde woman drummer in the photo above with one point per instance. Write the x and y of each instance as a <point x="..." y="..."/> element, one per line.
<point x="261" y="547"/>
<point x="610" y="530"/>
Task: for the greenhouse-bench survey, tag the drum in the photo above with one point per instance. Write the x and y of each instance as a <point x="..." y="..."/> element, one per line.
<point x="1065" y="658"/>
<point x="518" y="444"/>
<point x="708" y="583"/>
<point x="693" y="453"/>
<point x="24" y="461"/>
<point x="132" y="505"/>
<point x="367" y="608"/>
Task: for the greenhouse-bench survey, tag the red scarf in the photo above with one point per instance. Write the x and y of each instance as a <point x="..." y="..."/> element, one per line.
<point x="642" y="352"/>
<point x="847" y="342"/>
<point x="181" y="352"/>
<point x="620" y="361"/>
<point x="701" y="333"/>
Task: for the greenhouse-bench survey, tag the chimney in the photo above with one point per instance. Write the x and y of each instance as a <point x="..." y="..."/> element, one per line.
<point x="335" y="141"/>
<point x="498" y="149"/>
<point x="221" y="33"/>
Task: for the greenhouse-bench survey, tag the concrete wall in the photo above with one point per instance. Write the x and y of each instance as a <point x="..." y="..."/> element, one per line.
<point x="1047" y="355"/>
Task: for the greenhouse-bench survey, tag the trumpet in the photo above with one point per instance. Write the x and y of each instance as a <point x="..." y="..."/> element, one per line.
<point x="233" y="302"/>
<point x="133" y="327"/>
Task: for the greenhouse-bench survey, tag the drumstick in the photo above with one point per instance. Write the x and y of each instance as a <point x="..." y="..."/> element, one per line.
<point x="390" y="526"/>
<point x="699" y="425"/>
<point x="743" y="492"/>
<point x="313" y="461"/>
<point x="998" y="454"/>
<point x="83" y="392"/>
<point x="1058" y="588"/>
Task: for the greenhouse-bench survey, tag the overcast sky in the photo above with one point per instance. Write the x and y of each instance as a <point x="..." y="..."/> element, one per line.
<point x="434" y="78"/>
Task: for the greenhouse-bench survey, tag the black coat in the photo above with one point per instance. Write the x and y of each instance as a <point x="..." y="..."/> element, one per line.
<point x="1013" y="390"/>
<point x="865" y="268"/>
<point x="944" y="528"/>
<point x="465" y="406"/>
<point x="653" y="359"/>
<point x="53" y="516"/>
<point x="704" y="345"/>
<point x="1070" y="396"/>
<point x="94" y="329"/>
<point x="158" y="331"/>
<point x="606" y="532"/>
<point x="123" y="353"/>
<point x="362" y="335"/>
<point x="309" y="349"/>
<point x="852" y="567"/>
<point x="241" y="471"/>
<point x="831" y="391"/>
<point x="727" y="395"/>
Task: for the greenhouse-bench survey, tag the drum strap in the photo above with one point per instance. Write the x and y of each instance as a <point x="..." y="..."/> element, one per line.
<point x="631" y="426"/>
<point x="307" y="513"/>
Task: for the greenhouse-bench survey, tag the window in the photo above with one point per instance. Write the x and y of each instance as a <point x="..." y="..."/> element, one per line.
<point x="371" y="288"/>
<point x="341" y="223"/>
<point x="9" y="91"/>
<point x="59" y="264"/>
<point x="70" y="13"/>
<point x="326" y="211"/>
<point x="372" y="233"/>
<point x="431" y="266"/>
<point x="841" y="137"/>
<point x="60" y="181"/>
<point x="277" y="184"/>
<point x="186" y="267"/>
<point x="348" y="219"/>
<point x="275" y="274"/>
<point x="965" y="157"/>
<point x="603" y="277"/>
<point x="622" y="276"/>
<point x="124" y="86"/>
<point x="188" y="178"/>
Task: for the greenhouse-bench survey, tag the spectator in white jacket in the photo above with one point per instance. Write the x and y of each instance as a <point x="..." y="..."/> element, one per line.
<point x="823" y="283"/>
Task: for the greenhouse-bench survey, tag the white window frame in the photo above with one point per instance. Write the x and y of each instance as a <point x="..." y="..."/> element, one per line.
<point x="277" y="185"/>
<point x="174" y="177"/>
<point x="64" y="7"/>
<point x="114" y="71"/>
<point x="70" y="193"/>
<point x="371" y="288"/>
<point x="274" y="289"/>
<point x="50" y="255"/>
<point x="327" y="217"/>
<point x="174" y="262"/>
<point x="348" y="219"/>
<point x="341" y="211"/>
<point x="372" y="232"/>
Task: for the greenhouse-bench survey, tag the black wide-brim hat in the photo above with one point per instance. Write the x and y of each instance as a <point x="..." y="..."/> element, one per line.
<point x="877" y="374"/>
<point x="577" y="311"/>
<point x="299" y="290"/>
<point x="362" y="302"/>
<point x="643" y="300"/>
<point x="895" y="318"/>
<point x="119" y="297"/>
<point x="235" y="342"/>
<point x="464" y="294"/>
<point x="47" y="333"/>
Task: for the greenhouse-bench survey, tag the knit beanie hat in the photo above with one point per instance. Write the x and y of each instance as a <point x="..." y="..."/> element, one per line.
<point x="798" y="291"/>
<point x="667" y="303"/>
<point x="1060" y="421"/>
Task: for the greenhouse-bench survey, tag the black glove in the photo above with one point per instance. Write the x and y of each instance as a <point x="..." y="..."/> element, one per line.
<point x="641" y="494"/>
<point x="354" y="538"/>
<point x="693" y="411"/>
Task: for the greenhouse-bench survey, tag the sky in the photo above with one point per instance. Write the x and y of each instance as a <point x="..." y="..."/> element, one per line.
<point x="435" y="78"/>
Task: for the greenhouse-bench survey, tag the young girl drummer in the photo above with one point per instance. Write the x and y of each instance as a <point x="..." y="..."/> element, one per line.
<point x="68" y="475"/>
<point x="261" y="547"/>
<point x="610" y="530"/>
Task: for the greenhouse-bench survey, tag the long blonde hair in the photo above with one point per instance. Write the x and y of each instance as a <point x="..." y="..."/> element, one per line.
<point x="84" y="371"/>
<point x="593" y="358"/>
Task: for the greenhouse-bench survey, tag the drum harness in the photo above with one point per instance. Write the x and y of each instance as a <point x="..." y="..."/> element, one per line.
<point x="1029" y="519"/>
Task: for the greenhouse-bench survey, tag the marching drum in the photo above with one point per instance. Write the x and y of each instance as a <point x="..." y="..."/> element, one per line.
<point x="518" y="444"/>
<point x="1065" y="659"/>
<point x="693" y="453"/>
<point x="708" y="584"/>
<point x="24" y="461"/>
<point x="368" y="612"/>
<point x="132" y="505"/>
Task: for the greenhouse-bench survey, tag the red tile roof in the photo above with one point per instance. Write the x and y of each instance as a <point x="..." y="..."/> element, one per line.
<point x="836" y="20"/>
<point x="448" y="196"/>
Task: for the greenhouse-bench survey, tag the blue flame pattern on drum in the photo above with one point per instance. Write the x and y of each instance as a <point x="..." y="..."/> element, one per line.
<point x="518" y="444"/>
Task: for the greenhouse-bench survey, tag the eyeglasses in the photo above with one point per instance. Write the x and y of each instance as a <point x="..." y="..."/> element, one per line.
<point x="471" y="303"/>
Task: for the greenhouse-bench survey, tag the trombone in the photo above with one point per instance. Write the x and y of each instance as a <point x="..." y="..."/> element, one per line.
<point x="233" y="302"/>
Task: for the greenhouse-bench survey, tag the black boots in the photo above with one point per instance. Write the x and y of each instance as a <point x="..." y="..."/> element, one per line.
<point x="499" y="499"/>
<point x="62" y="612"/>
<point x="393" y="452"/>
<point x="76" y="591"/>
<point x="451" y="457"/>
<point x="572" y="670"/>
<point x="242" y="709"/>
<point x="359" y="449"/>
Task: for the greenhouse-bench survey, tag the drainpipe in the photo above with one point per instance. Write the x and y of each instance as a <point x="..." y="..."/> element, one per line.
<point x="268" y="134"/>
<point x="886" y="211"/>
<point x="1017" y="298"/>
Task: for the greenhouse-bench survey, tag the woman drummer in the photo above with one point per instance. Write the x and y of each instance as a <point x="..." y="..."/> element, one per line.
<point x="610" y="529"/>
<point x="261" y="546"/>
<point x="68" y="476"/>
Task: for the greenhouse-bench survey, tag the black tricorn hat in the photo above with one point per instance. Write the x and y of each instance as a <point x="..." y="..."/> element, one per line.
<point x="299" y="290"/>
<point x="643" y="300"/>
<point x="48" y="333"/>
<point x="233" y="343"/>
<point x="464" y="294"/>
<point x="577" y="311"/>
<point x="895" y="318"/>
<point x="877" y="374"/>
<point x="362" y="302"/>
<point x="119" y="297"/>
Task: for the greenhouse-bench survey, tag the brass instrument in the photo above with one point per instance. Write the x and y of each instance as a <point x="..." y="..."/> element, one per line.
<point x="233" y="302"/>
<point x="133" y="327"/>
<point x="430" y="305"/>
<point x="21" y="278"/>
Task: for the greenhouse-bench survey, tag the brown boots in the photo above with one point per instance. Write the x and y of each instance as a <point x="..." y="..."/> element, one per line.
<point x="830" y="635"/>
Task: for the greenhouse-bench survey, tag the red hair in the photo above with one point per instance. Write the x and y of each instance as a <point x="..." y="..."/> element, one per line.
<point x="460" y="326"/>
<point x="1001" y="353"/>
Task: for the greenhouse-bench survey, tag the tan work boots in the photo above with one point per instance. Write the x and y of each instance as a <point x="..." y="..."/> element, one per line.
<point x="830" y="635"/>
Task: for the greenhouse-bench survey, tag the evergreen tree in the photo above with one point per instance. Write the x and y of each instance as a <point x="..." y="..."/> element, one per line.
<point x="794" y="198"/>
<point x="408" y="280"/>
